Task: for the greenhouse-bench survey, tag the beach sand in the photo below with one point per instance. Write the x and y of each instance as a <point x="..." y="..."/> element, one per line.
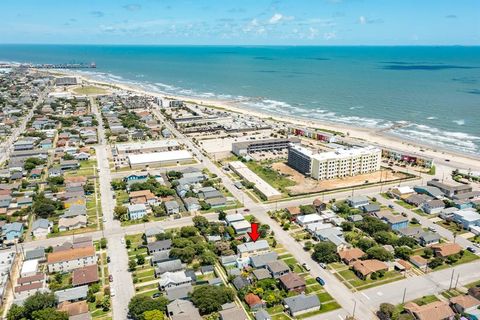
<point x="372" y="136"/>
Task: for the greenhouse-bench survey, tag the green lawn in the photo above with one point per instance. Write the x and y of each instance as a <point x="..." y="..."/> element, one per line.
<point x="90" y="90"/>
<point x="271" y="176"/>
<point x="404" y="204"/>
<point x="354" y="281"/>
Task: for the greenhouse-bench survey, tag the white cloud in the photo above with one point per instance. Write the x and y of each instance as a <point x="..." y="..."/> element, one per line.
<point x="278" y="17"/>
<point x="329" y="35"/>
<point x="312" y="33"/>
<point x="362" y="20"/>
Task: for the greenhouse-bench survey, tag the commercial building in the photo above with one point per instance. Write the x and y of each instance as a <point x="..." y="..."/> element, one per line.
<point x="450" y="190"/>
<point x="266" y="190"/>
<point x="312" y="134"/>
<point x="411" y="158"/>
<point x="335" y="164"/>
<point x="154" y="159"/>
<point x="67" y="260"/>
<point x="246" y="147"/>
<point x="121" y="151"/>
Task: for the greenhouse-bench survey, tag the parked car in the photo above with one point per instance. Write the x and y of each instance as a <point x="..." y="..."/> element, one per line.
<point x="431" y="229"/>
<point x="390" y="206"/>
<point x="108" y="259"/>
<point x="320" y="281"/>
<point x="306" y="266"/>
<point x="122" y="241"/>
<point x="246" y="210"/>
<point x="404" y="214"/>
<point x="110" y="278"/>
<point x="112" y="292"/>
<point x="156" y="295"/>
<point x="322" y="265"/>
<point x="472" y="249"/>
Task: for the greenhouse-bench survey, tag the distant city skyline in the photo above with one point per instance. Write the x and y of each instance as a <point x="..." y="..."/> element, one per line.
<point x="215" y="22"/>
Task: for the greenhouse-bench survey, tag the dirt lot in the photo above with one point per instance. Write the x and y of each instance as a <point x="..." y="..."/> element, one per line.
<point x="308" y="185"/>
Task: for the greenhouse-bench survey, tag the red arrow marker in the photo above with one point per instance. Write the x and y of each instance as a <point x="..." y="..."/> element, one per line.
<point x="254" y="235"/>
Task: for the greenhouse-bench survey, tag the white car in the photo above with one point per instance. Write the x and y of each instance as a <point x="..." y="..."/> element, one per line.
<point x="122" y="241"/>
<point x="306" y="266"/>
<point x="104" y="219"/>
<point x="112" y="292"/>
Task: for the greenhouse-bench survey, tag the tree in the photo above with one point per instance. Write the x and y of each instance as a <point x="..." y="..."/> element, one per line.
<point x="347" y="226"/>
<point x="208" y="298"/>
<point x="49" y="314"/>
<point x="384" y="237"/>
<point x="103" y="243"/>
<point x="403" y="252"/>
<point x="435" y="262"/>
<point x="16" y="312"/>
<point x="386" y="310"/>
<point x="406" y="241"/>
<point x="222" y="215"/>
<point x="119" y="185"/>
<point x="366" y="243"/>
<point x="120" y="212"/>
<point x="307" y="209"/>
<point x="188" y="231"/>
<point x="140" y="259"/>
<point x="208" y="258"/>
<point x="138" y="305"/>
<point x="132" y="264"/>
<point x="372" y="225"/>
<point x="185" y="254"/>
<point x="200" y="222"/>
<point x="325" y="251"/>
<point x="128" y="243"/>
<point x="379" y="253"/>
<point x="39" y="301"/>
<point x="427" y="252"/>
<point x="153" y="315"/>
<point x="106" y="303"/>
<point x="308" y="245"/>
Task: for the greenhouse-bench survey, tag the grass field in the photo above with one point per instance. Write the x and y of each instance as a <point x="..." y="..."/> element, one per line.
<point x="90" y="90"/>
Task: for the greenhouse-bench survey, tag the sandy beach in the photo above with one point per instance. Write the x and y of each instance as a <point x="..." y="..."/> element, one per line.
<point x="442" y="156"/>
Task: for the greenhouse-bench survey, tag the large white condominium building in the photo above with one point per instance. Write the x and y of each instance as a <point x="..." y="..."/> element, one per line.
<point x="337" y="164"/>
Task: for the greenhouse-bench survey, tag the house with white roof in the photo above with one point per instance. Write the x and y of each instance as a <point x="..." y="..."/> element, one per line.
<point x="309" y="218"/>
<point x="248" y="249"/>
<point x="173" y="279"/>
<point x="136" y="211"/>
<point x="468" y="218"/>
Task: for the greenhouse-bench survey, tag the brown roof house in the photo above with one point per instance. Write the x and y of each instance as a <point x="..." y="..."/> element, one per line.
<point x="350" y="255"/>
<point x="464" y="303"/>
<point x="85" y="275"/>
<point x="443" y="250"/>
<point x="254" y="301"/>
<point x="365" y="268"/>
<point x="67" y="260"/>
<point x="292" y="282"/>
<point x="74" y="309"/>
<point x="438" y="310"/>
<point x="419" y="261"/>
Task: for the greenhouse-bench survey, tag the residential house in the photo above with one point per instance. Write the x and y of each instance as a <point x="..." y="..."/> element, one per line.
<point x="180" y="292"/>
<point x="433" y="206"/>
<point x="41" y="228"/>
<point x="11" y="232"/>
<point x="241" y="227"/>
<point x="172" y="207"/>
<point x="249" y="249"/>
<point x="402" y="192"/>
<point x="357" y="201"/>
<point x="159" y="246"/>
<point x="301" y="304"/>
<point x="233" y="313"/>
<point x="261" y="274"/>
<point x="430" y="191"/>
<point x="277" y="268"/>
<point x="77" y="222"/>
<point x="349" y="256"/>
<point x="262" y="314"/>
<point x="443" y="250"/>
<point x="72" y="294"/>
<point x="261" y="260"/>
<point x="254" y="301"/>
<point x="69" y="164"/>
<point x="418" y="200"/>
<point x="161" y="256"/>
<point x="173" y="279"/>
<point x="168" y="266"/>
<point x="465" y="304"/>
<point x="192" y="204"/>
<point x="438" y="310"/>
<point x="467" y="218"/>
<point x="240" y="282"/>
<point x="152" y="232"/>
<point x="319" y="205"/>
<point x="67" y="260"/>
<point x="428" y="238"/>
<point x="308" y="218"/>
<point x="143" y="197"/>
<point x="85" y="275"/>
<point x="419" y="261"/>
<point x="292" y="282"/>
<point x="75" y="310"/>
<point x="371" y="208"/>
<point x="182" y="310"/>
<point x="136" y="211"/>
<point x="364" y="268"/>
<point x="396" y="222"/>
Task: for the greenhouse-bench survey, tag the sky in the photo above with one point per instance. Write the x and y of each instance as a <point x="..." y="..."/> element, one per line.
<point x="241" y="22"/>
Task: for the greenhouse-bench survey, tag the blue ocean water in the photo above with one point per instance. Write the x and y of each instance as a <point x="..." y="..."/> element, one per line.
<point x="434" y="92"/>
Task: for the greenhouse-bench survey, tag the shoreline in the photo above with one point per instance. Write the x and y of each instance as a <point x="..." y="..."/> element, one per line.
<point x="381" y="139"/>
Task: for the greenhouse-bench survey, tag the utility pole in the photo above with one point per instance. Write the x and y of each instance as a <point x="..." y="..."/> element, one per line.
<point x="456" y="282"/>
<point x="354" y="307"/>
<point x="451" y="280"/>
<point x="404" y="294"/>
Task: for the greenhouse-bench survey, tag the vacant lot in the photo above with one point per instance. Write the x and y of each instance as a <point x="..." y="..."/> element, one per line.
<point x="89" y="90"/>
<point x="308" y="185"/>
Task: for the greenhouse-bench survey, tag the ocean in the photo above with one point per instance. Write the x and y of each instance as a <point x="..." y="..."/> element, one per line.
<point x="430" y="94"/>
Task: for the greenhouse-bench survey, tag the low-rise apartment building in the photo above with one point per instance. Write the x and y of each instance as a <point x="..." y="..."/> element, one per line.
<point x="67" y="260"/>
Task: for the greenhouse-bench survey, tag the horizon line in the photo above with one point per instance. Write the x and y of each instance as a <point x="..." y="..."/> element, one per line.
<point x="241" y="45"/>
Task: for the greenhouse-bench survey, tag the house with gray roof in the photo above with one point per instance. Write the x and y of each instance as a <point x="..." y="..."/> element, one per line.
<point x="158" y="246"/>
<point x="261" y="274"/>
<point x="182" y="310"/>
<point x="428" y="238"/>
<point x="278" y="268"/>
<point x="160" y="256"/>
<point x="228" y="260"/>
<point x="358" y="201"/>
<point x="262" y="314"/>
<point x="168" y="266"/>
<point x="35" y="254"/>
<point x="72" y="294"/>
<point x="41" y="228"/>
<point x="75" y="210"/>
<point x="240" y="282"/>
<point x="172" y="207"/>
<point x="180" y="292"/>
<point x="301" y="304"/>
<point x="261" y="260"/>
